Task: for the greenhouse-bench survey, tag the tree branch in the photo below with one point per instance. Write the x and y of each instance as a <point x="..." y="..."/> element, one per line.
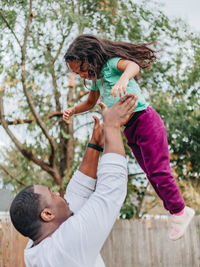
<point x="56" y="93"/>
<point x="83" y="125"/>
<point x="25" y="152"/>
<point x="35" y="114"/>
<point x="9" y="27"/>
<point x="11" y="176"/>
<point x="28" y="121"/>
<point x="59" y="49"/>
<point x="142" y="199"/>
<point x="55" y="87"/>
<point x="18" y="121"/>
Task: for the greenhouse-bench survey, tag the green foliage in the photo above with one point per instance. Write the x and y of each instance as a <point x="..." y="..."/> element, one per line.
<point x="21" y="169"/>
<point x="182" y="122"/>
<point x="136" y="192"/>
<point x="172" y="84"/>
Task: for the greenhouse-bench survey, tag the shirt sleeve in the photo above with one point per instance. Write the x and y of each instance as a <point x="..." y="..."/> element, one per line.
<point x="88" y="229"/>
<point x="112" y="63"/>
<point x="79" y="190"/>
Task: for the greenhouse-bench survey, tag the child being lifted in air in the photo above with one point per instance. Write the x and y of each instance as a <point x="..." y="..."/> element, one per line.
<point x="112" y="67"/>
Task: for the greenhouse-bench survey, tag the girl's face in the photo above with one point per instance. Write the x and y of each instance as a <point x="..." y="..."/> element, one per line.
<point x="75" y="67"/>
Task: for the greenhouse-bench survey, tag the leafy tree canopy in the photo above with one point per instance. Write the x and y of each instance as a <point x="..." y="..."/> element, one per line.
<point x="37" y="86"/>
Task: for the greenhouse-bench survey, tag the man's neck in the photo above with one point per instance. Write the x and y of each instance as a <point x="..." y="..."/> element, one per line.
<point x="46" y="232"/>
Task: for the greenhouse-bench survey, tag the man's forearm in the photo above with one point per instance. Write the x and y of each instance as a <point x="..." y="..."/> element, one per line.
<point x="89" y="163"/>
<point x="113" y="140"/>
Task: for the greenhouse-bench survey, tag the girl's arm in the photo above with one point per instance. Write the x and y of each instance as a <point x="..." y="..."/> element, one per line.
<point x="83" y="106"/>
<point x="130" y="69"/>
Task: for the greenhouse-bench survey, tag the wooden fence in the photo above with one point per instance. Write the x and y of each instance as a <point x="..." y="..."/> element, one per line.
<point x="132" y="243"/>
<point x="11" y="246"/>
<point x="145" y="243"/>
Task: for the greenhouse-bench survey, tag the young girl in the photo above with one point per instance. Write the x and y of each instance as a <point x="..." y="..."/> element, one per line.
<point x="112" y="67"/>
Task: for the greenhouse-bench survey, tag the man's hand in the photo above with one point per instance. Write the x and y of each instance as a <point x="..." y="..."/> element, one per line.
<point x="68" y="113"/>
<point x="97" y="136"/>
<point x="121" y="112"/>
<point x="113" y="118"/>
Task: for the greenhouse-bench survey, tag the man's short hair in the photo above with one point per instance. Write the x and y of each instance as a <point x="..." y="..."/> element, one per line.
<point x="25" y="212"/>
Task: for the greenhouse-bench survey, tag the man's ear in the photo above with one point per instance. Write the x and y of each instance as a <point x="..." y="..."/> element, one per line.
<point x="47" y="215"/>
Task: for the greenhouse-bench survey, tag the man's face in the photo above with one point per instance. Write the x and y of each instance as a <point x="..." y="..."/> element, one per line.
<point x="53" y="201"/>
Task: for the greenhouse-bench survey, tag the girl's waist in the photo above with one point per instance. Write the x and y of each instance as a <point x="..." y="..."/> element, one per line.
<point x="135" y="116"/>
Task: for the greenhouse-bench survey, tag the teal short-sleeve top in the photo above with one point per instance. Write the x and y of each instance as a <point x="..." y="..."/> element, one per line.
<point x="110" y="75"/>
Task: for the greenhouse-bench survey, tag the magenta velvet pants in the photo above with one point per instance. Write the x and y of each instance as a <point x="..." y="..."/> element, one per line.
<point x="146" y="136"/>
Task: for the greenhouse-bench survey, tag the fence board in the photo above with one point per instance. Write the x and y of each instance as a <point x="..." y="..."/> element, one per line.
<point x="12" y="245"/>
<point x="132" y="243"/>
<point x="145" y="243"/>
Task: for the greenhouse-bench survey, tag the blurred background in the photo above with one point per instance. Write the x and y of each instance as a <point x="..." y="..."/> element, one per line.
<point x="37" y="147"/>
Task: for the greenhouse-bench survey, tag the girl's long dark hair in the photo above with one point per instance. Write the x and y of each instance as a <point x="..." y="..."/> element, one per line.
<point x="95" y="51"/>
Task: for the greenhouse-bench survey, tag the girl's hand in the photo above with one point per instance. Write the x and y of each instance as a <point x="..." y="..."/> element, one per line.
<point x="68" y="113"/>
<point x="120" y="87"/>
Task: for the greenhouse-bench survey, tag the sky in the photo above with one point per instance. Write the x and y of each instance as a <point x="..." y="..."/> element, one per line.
<point x="188" y="10"/>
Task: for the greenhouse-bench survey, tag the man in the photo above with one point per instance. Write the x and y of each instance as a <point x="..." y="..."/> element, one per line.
<point x="60" y="237"/>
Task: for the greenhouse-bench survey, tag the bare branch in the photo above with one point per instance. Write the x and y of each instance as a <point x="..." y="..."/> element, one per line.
<point x="56" y="93"/>
<point x="11" y="176"/>
<point x="17" y="121"/>
<point x="54" y="114"/>
<point x="28" y="97"/>
<point x="5" y="126"/>
<point x="9" y="27"/>
<point x="59" y="49"/>
<point x="83" y="125"/>
<point x="26" y="153"/>
<point x="28" y="121"/>
<point x="142" y="199"/>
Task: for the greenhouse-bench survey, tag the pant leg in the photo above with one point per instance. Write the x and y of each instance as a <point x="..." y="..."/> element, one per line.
<point x="149" y="134"/>
<point x="138" y="156"/>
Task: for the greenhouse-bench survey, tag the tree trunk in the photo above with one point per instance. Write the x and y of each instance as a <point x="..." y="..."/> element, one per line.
<point x="67" y="134"/>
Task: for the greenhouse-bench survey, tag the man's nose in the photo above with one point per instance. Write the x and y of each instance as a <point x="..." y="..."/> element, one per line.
<point x="57" y="193"/>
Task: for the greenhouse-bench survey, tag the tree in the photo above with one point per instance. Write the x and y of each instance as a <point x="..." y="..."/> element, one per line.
<point x="35" y="36"/>
<point x="35" y="42"/>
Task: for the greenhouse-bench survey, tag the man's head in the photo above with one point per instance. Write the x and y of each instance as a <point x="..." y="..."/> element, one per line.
<point x="36" y="209"/>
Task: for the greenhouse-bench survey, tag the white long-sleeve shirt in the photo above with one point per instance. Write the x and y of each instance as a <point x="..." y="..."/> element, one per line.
<point x="78" y="240"/>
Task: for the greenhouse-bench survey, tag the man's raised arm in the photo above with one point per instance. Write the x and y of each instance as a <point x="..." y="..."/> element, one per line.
<point x="83" y="182"/>
<point x="96" y="218"/>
